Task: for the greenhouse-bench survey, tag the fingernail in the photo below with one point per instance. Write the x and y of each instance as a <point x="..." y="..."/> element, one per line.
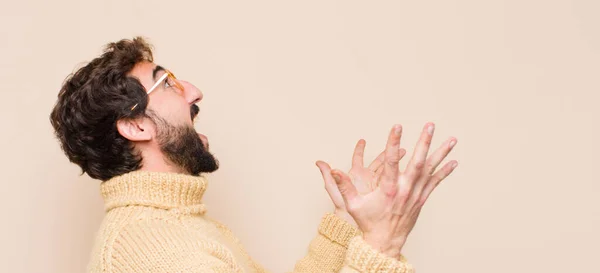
<point x="430" y="129"/>
<point x="454" y="165"/>
<point x="452" y="143"/>
<point x="397" y="129"/>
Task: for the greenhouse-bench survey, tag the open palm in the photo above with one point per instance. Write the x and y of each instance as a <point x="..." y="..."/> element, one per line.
<point x="387" y="214"/>
<point x="366" y="179"/>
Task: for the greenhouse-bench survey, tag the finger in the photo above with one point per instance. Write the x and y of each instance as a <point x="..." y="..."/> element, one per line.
<point x="439" y="155"/>
<point x="359" y="153"/>
<point x="414" y="168"/>
<point x="376" y="164"/>
<point x="392" y="157"/>
<point x="436" y="178"/>
<point x="379" y="172"/>
<point x="344" y="184"/>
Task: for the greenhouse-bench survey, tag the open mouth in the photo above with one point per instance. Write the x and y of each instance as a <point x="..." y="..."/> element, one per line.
<point x="194" y="110"/>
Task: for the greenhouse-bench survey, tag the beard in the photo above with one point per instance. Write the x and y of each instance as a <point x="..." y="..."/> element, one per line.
<point x="183" y="147"/>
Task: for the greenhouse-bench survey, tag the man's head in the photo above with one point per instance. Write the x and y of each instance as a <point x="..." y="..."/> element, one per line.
<point x="109" y="125"/>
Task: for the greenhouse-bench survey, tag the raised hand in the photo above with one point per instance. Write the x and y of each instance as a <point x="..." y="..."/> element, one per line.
<point x="364" y="178"/>
<point x="387" y="214"/>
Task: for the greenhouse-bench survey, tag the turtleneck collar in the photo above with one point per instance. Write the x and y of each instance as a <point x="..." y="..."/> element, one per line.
<point x="155" y="189"/>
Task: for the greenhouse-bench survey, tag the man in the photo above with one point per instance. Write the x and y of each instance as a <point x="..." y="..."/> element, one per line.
<point x="129" y="122"/>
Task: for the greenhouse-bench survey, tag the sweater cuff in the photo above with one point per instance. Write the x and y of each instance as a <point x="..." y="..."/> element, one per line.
<point x="337" y="230"/>
<point x="362" y="257"/>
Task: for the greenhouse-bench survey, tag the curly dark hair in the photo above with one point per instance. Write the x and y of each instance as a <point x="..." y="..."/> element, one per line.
<point x="90" y="103"/>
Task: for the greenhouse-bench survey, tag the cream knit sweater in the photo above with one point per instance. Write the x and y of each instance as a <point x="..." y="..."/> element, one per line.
<point x="156" y="222"/>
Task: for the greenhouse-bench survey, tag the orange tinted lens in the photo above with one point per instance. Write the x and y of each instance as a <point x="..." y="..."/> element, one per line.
<point x="173" y="81"/>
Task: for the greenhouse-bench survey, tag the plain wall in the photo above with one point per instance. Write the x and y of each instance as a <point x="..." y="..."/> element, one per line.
<point x="289" y="82"/>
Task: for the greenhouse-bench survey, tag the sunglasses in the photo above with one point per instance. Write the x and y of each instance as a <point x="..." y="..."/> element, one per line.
<point x="170" y="81"/>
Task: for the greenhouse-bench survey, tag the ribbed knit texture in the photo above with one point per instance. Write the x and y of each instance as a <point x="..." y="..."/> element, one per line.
<point x="156" y="222"/>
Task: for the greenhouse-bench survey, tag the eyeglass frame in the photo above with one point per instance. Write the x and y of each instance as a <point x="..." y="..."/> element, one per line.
<point x="167" y="75"/>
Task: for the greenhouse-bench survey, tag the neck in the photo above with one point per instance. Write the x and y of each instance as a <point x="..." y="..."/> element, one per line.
<point x="155" y="161"/>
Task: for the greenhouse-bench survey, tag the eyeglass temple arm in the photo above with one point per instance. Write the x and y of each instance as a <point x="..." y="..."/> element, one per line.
<point x="161" y="79"/>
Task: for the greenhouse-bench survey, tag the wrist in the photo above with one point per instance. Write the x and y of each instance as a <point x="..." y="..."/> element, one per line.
<point x="391" y="247"/>
<point x="344" y="215"/>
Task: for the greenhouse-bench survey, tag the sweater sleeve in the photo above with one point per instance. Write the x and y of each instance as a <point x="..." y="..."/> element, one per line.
<point x="361" y="257"/>
<point x="327" y="250"/>
<point x="339" y="247"/>
<point x="161" y="246"/>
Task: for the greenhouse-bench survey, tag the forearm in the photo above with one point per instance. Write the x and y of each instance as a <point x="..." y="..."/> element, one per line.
<point x="362" y="257"/>
<point x="339" y="247"/>
<point x="327" y="251"/>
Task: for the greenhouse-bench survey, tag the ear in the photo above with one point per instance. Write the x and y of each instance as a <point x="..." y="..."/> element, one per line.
<point x="134" y="129"/>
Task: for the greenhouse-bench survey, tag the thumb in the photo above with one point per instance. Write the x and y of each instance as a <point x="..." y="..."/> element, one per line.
<point x="344" y="184"/>
<point x="326" y="173"/>
<point x="325" y="169"/>
<point x="327" y="178"/>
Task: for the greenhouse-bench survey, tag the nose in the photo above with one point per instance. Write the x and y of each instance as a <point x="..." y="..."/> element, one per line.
<point x="191" y="93"/>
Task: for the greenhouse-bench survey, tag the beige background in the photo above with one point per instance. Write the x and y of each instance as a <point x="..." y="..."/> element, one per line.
<point x="290" y="82"/>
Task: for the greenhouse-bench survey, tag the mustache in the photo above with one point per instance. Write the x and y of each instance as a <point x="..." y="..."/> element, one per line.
<point x="194" y="110"/>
